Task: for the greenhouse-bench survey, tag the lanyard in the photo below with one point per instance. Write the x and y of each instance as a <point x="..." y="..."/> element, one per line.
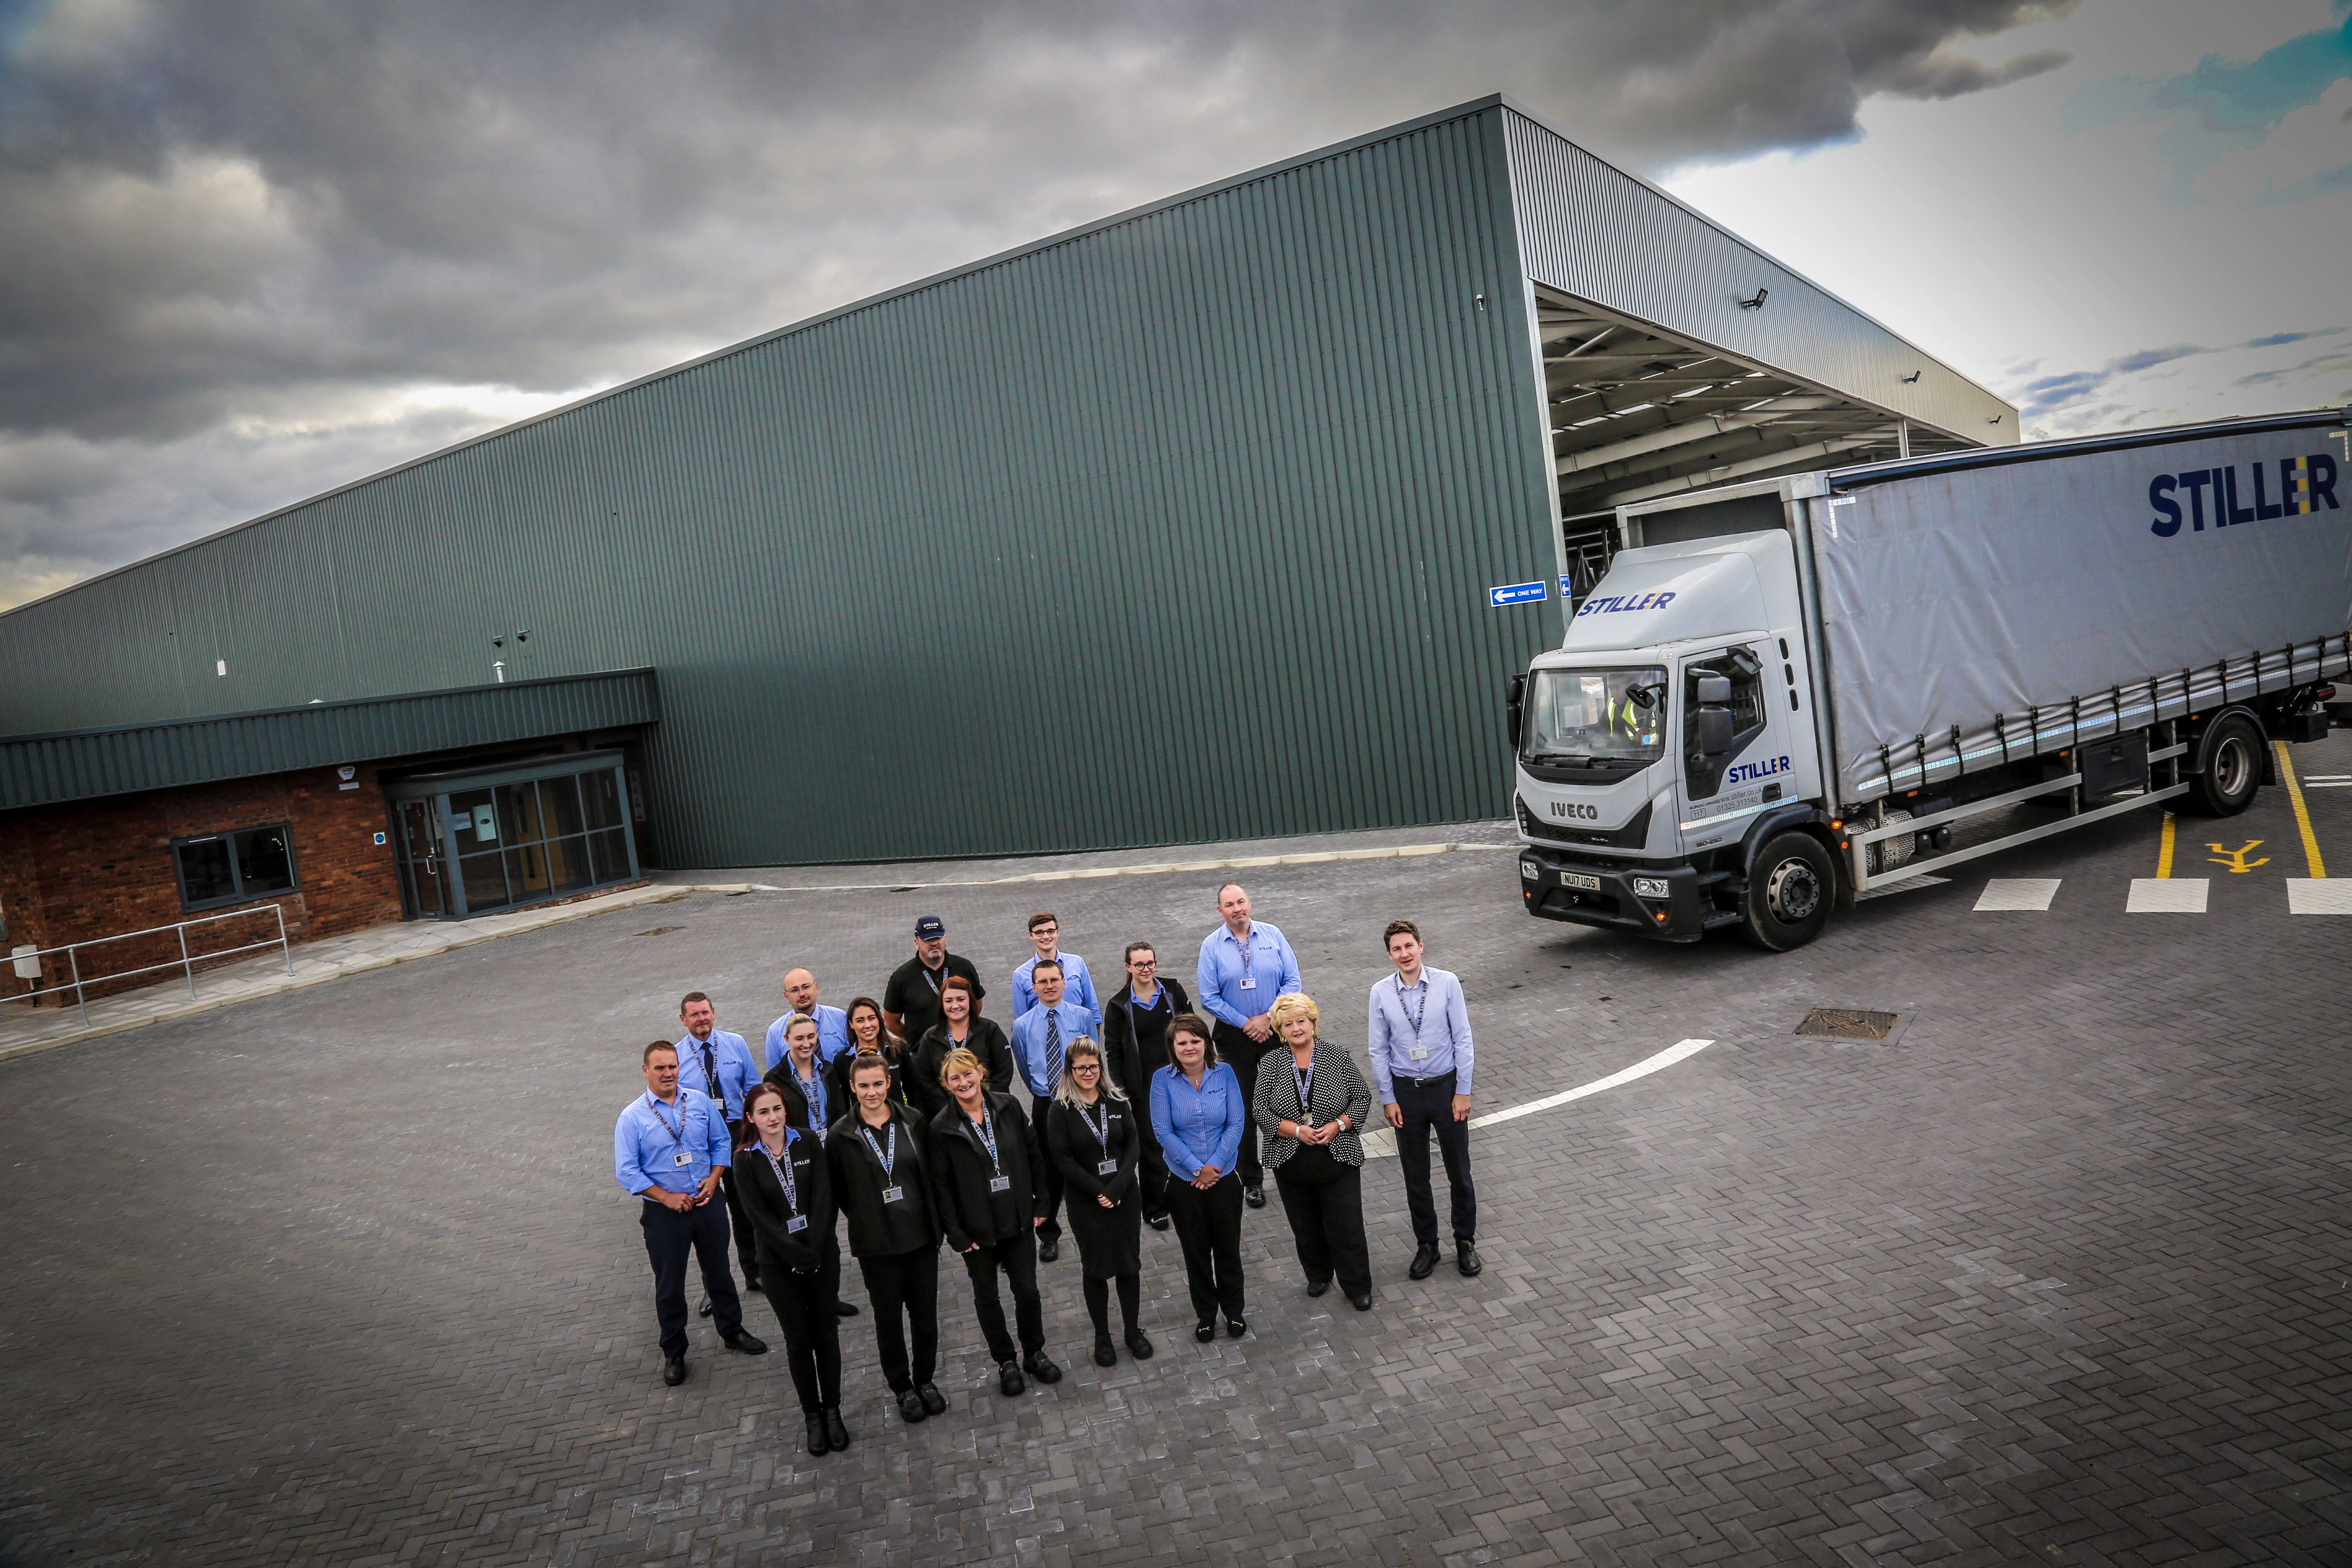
<point x="927" y="975"/>
<point x="1102" y="1133"/>
<point x="812" y="1091"/>
<point x="710" y="1072"/>
<point x="1414" y="1019"/>
<point x="783" y="1169"/>
<point x="1245" y="946"/>
<point x="678" y="1134"/>
<point x="988" y="1135"/>
<point x="1305" y="1078"/>
<point x="889" y="1161"/>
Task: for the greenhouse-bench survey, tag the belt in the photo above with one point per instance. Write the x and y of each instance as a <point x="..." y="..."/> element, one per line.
<point x="1408" y="1078"/>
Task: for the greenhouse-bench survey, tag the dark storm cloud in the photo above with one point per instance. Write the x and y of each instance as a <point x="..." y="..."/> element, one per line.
<point x="256" y="224"/>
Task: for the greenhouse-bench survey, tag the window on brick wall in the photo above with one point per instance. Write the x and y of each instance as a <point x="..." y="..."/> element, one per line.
<point x="229" y="868"/>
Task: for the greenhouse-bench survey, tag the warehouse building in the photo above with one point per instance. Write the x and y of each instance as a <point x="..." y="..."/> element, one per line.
<point x="1225" y="517"/>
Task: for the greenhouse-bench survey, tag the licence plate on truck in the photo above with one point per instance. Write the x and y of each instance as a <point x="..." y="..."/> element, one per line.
<point x="1579" y="880"/>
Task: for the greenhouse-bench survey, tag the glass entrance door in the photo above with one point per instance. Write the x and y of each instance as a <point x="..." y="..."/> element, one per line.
<point x="421" y="860"/>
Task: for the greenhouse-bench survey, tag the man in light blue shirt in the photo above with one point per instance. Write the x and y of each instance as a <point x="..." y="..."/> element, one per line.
<point x="1422" y="1062"/>
<point x="714" y="1062"/>
<point x="1244" y="965"/>
<point x="1046" y="933"/>
<point x="670" y="1145"/>
<point x="832" y="1023"/>
<point x="1041" y="1040"/>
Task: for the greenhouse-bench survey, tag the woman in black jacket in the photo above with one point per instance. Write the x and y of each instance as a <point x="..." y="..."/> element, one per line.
<point x="812" y="1095"/>
<point x="881" y="1161"/>
<point x="984" y="1189"/>
<point x="869" y="1037"/>
<point x="959" y="1027"/>
<point x="1135" y="1034"/>
<point x="787" y="1194"/>
<point x="1092" y="1135"/>
<point x="1310" y="1104"/>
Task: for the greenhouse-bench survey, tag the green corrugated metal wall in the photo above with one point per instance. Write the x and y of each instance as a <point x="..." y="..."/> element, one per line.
<point x="1177" y="529"/>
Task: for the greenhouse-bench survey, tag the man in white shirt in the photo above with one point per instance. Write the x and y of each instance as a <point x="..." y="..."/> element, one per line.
<point x="1422" y="1060"/>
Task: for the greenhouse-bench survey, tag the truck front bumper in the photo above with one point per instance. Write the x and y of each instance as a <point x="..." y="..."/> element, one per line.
<point x="1666" y="905"/>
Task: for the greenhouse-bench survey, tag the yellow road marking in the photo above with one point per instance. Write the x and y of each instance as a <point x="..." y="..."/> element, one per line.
<point x="2237" y="860"/>
<point x="2164" y="851"/>
<point x="2302" y="814"/>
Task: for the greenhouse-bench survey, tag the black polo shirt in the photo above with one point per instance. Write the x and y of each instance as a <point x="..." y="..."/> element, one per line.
<point x="913" y="993"/>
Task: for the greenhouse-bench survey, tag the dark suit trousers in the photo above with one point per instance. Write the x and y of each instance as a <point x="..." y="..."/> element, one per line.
<point x="803" y="1304"/>
<point x="669" y="1237"/>
<point x="1017" y="1257"/>
<point x="1326" y="1221"/>
<point x="1209" y="1227"/>
<point x="1427" y="1105"/>
<point x="1236" y="1048"/>
<point x="905" y="1283"/>
<point x="1049" y="1180"/>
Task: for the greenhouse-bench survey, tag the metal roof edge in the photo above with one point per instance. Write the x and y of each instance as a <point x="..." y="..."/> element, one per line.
<point x="969" y="268"/>
<point x="340" y="703"/>
<point x="1506" y="101"/>
<point x="2112" y="441"/>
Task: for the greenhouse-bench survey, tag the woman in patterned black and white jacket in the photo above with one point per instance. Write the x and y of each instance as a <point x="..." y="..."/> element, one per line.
<point x="1311" y="1117"/>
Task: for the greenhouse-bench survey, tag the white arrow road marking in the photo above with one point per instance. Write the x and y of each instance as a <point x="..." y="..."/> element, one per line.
<point x="1381" y="1143"/>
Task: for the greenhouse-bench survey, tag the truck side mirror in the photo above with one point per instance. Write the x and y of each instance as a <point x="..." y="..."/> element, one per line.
<point x="1710" y="718"/>
<point x="1512" y="697"/>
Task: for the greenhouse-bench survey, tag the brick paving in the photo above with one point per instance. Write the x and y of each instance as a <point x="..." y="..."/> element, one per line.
<point x="2060" y="1277"/>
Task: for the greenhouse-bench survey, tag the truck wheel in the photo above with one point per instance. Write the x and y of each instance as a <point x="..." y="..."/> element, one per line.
<point x="1790" y="890"/>
<point x="2229" y="768"/>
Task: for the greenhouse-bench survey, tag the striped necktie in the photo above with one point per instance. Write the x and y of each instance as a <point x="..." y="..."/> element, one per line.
<point x="1053" y="1047"/>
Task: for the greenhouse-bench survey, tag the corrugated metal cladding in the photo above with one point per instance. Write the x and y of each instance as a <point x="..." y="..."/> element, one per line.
<point x="1176" y="528"/>
<point x="40" y="770"/>
<point x="1596" y="232"/>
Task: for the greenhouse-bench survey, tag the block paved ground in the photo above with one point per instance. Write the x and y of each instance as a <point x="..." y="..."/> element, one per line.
<point x="2061" y="1277"/>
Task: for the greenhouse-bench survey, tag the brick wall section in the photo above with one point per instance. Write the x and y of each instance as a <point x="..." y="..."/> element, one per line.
<point x="93" y="869"/>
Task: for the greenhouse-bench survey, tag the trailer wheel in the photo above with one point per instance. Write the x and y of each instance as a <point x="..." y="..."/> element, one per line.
<point x="2228" y="767"/>
<point x="1790" y="890"/>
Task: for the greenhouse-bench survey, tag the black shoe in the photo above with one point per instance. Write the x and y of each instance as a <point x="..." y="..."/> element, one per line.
<point x="934" y="1401"/>
<point x="845" y="1309"/>
<point x="1104" y="1354"/>
<point x="1317" y="1287"/>
<point x="1138" y="1344"/>
<point x="1157" y="1221"/>
<point x="703" y="1310"/>
<point x="1205" y="1332"/>
<point x="751" y="1282"/>
<point x="1040" y="1365"/>
<point x="820" y="1441"/>
<point x="743" y="1339"/>
<point x="1254" y="1196"/>
<point x="1362" y="1303"/>
<point x="911" y="1407"/>
<point x="1008" y="1378"/>
<point x="1048" y="1249"/>
<point x="1424" y="1262"/>
<point x="1236" y="1326"/>
<point x="674" y="1371"/>
<point x="1466" y="1258"/>
<point x="837" y="1434"/>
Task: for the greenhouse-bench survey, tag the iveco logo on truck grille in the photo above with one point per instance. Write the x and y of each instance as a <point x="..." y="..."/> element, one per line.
<point x="2304" y="485"/>
<point x="1562" y="808"/>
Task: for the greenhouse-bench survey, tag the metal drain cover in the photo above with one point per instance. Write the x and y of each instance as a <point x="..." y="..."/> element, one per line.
<point x="1849" y="1023"/>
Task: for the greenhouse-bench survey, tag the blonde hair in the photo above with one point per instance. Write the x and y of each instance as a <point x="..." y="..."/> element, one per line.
<point x="1067" y="1092"/>
<point x="1296" y="1005"/>
<point x="957" y="1061"/>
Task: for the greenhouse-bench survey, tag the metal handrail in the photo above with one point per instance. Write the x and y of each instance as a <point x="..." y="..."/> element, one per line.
<point x="80" y="984"/>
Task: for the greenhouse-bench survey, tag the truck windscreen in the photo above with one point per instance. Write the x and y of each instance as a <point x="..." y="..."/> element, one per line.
<point x="1586" y="716"/>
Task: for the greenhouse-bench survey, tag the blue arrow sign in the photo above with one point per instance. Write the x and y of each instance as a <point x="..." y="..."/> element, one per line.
<point x="1518" y="593"/>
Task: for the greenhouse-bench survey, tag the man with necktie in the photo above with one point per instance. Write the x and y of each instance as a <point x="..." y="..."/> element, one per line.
<point x="716" y="1063"/>
<point x="1041" y="1036"/>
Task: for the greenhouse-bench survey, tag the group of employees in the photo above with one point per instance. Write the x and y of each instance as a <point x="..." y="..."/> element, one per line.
<point x="899" y="1118"/>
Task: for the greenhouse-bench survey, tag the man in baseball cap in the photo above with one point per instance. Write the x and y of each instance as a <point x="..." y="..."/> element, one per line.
<point x="911" y="1005"/>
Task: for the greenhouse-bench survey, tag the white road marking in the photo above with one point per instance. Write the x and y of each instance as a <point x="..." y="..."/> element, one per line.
<point x="2019" y="893"/>
<point x="2318" y="896"/>
<point x="2326" y="784"/>
<point x="2168" y="896"/>
<point x="1381" y="1143"/>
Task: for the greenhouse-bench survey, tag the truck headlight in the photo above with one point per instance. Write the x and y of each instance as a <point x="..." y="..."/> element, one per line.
<point x="1530" y="869"/>
<point x="1650" y="887"/>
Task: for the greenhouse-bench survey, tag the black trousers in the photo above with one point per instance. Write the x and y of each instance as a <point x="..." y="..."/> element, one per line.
<point x="1048" y="1180"/>
<point x="1017" y="1257"/>
<point x="1235" y="1047"/>
<point x="669" y="1236"/>
<point x="1152" y="1166"/>
<point x="1209" y="1227"/>
<point x="904" y="1288"/>
<point x="747" y="1243"/>
<point x="1326" y="1221"/>
<point x="803" y="1304"/>
<point x="1427" y="1105"/>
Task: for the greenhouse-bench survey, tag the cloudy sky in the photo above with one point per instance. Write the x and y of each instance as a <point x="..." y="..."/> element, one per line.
<point x="249" y="252"/>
